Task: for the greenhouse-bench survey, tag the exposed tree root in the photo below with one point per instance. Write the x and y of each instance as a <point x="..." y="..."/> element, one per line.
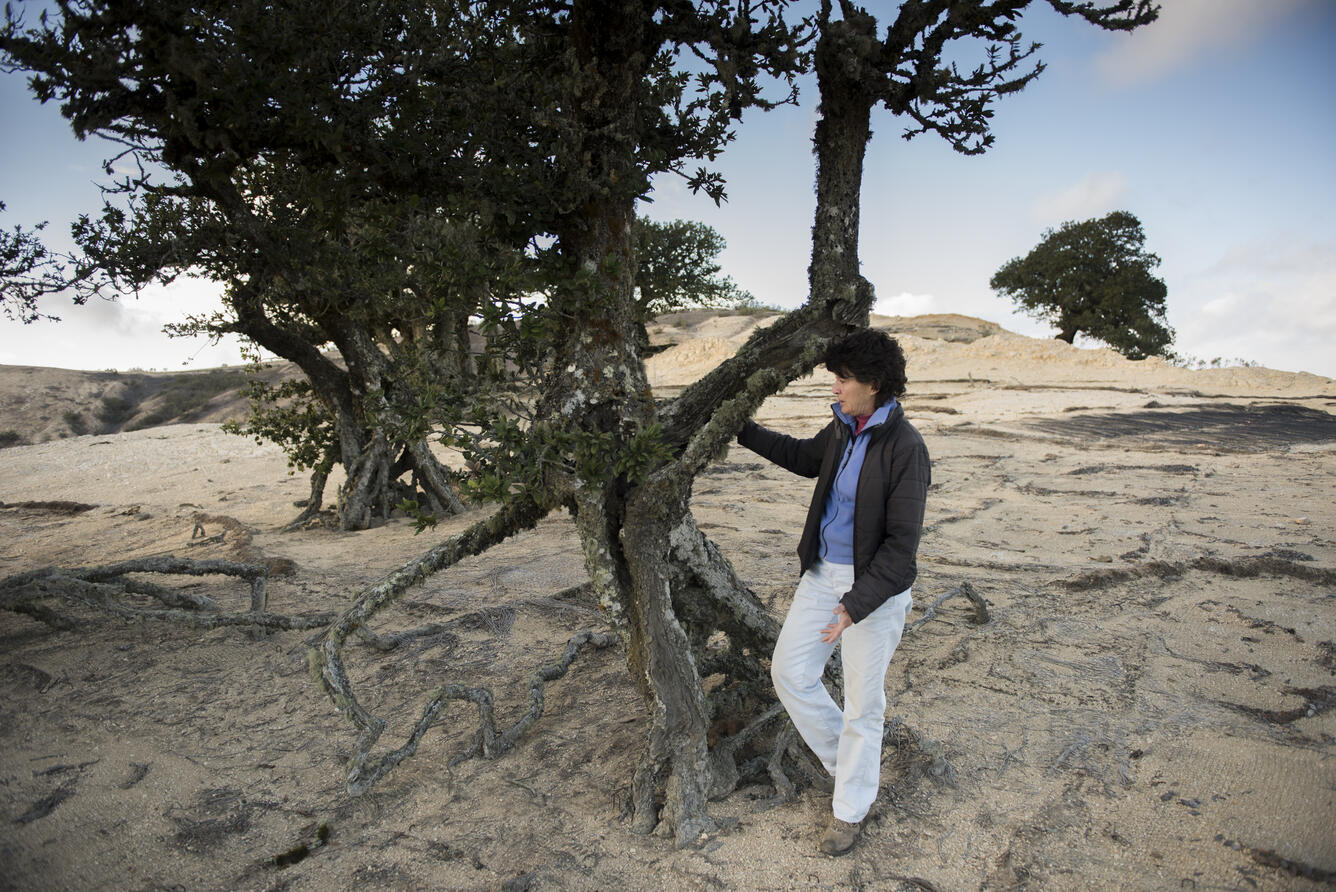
<point x="326" y="648"/>
<point x="47" y="804"/>
<point x="313" y="504"/>
<point x="968" y="514"/>
<point x="103" y="588"/>
<point x="788" y="748"/>
<point x="910" y="753"/>
<point x="1316" y="702"/>
<point x="52" y="507"/>
<point x="966" y="589"/>
<point x="1268" y="858"/>
<point x="784" y="788"/>
<point x="724" y="772"/>
<point x="363" y="771"/>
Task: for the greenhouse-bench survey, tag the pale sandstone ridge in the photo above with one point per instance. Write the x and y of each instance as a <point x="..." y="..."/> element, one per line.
<point x="950" y="346"/>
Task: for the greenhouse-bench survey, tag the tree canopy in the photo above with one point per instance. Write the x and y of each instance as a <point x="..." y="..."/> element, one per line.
<point x="378" y="189"/>
<point x="1094" y="278"/>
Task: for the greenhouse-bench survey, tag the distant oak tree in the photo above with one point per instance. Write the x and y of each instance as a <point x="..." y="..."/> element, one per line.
<point x="1094" y="278"/>
<point x="677" y="266"/>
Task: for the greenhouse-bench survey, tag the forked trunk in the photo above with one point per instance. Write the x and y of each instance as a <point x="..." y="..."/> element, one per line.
<point x="647" y="560"/>
<point x="372" y="486"/>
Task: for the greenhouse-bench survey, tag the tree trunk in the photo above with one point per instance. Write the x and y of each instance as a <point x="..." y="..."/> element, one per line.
<point x="840" y="143"/>
<point x="603" y="393"/>
<point x="598" y="391"/>
<point x="651" y="567"/>
<point x="677" y="758"/>
<point x="679" y="600"/>
<point x="316" y="501"/>
<point x="649" y="563"/>
<point x="372" y="487"/>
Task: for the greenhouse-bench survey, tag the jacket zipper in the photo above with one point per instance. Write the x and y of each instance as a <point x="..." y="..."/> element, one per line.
<point x="834" y="484"/>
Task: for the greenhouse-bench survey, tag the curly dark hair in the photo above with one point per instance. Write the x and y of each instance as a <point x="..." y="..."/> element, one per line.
<point x="873" y="357"/>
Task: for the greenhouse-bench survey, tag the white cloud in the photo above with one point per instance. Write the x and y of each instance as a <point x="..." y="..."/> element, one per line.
<point x="1224" y="308"/>
<point x="122" y="334"/>
<point x="1186" y="30"/>
<point x="1271" y="301"/>
<point x="906" y="304"/>
<point x="1097" y="194"/>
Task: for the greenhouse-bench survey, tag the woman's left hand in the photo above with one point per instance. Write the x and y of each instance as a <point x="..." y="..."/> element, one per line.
<point x="831" y="633"/>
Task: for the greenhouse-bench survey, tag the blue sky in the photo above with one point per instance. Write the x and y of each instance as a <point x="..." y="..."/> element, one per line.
<point x="1216" y="126"/>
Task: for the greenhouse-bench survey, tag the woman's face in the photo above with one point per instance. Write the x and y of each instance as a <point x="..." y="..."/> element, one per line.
<point x="856" y="398"/>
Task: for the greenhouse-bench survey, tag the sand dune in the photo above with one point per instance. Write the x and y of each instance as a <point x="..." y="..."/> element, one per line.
<point x="1151" y="706"/>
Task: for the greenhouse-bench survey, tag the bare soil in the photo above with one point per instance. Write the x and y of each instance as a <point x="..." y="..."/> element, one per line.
<point x="1152" y="704"/>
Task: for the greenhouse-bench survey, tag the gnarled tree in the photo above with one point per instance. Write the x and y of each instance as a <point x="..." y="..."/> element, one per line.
<point x="624" y="465"/>
<point x="1094" y="278"/>
<point x="325" y="172"/>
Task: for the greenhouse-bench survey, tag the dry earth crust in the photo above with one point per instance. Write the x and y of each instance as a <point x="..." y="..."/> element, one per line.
<point x="1151" y="706"/>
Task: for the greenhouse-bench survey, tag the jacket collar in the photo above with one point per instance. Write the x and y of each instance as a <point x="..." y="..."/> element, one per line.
<point x="879" y="417"/>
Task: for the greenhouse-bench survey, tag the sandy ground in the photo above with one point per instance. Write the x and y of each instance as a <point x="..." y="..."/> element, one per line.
<point x="1151" y="706"/>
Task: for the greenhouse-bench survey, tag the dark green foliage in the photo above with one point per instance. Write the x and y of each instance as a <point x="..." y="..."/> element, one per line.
<point x="115" y="411"/>
<point x="288" y="414"/>
<point x="1094" y="278"/>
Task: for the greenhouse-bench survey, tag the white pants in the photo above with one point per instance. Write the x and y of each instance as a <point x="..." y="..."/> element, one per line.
<point x="847" y="742"/>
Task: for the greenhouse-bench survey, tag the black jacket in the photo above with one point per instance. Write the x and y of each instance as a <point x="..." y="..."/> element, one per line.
<point x="888" y="509"/>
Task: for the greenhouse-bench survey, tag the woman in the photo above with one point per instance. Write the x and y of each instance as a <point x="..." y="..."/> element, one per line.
<point x="857" y="554"/>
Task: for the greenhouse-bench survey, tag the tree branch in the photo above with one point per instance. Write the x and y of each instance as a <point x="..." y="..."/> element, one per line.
<point x="789" y="347"/>
<point x="966" y="589"/>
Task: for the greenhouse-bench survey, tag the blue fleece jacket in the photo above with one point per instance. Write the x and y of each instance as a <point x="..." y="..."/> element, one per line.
<point x="837" y="520"/>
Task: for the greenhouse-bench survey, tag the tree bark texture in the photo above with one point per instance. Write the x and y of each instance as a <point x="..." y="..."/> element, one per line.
<point x="840" y="143"/>
<point x="103" y="588"/>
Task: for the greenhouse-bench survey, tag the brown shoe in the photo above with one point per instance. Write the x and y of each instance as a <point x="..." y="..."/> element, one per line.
<point x="840" y="837"/>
